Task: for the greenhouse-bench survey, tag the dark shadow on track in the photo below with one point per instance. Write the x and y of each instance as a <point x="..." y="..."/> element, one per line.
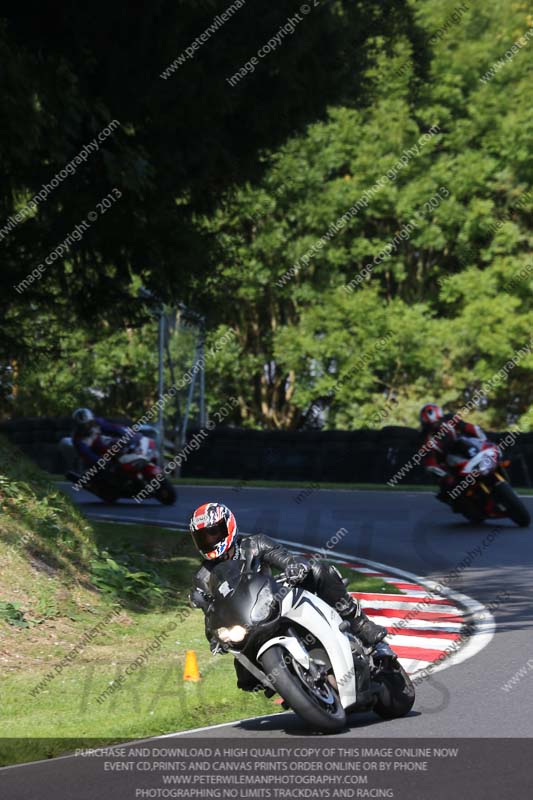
<point x="465" y="527"/>
<point x="291" y="725"/>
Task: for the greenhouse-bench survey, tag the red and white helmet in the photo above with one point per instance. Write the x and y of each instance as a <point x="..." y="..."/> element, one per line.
<point x="213" y="529"/>
<point x="430" y="414"/>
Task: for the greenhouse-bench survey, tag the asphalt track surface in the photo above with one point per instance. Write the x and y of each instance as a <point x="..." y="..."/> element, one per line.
<point x="492" y="563"/>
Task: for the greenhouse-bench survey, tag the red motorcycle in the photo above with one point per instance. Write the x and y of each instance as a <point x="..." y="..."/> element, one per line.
<point x="131" y="472"/>
<point x="481" y="490"/>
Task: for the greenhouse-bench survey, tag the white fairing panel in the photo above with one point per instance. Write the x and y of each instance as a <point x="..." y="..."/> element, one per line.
<point x="483" y="461"/>
<point x="292" y="645"/>
<point x="323" y="621"/>
<point x="141" y="452"/>
<point x="477" y="455"/>
<point x="130" y="457"/>
<point x="144" y="445"/>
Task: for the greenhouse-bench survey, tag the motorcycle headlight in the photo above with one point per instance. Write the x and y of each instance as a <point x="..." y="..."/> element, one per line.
<point x="234" y="634"/>
<point x="262" y="609"/>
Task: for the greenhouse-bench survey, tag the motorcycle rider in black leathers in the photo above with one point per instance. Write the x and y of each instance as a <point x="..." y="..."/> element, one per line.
<point x="215" y="535"/>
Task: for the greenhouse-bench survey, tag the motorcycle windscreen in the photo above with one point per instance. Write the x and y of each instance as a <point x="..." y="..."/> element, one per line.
<point x="225" y="577"/>
<point x="465" y="447"/>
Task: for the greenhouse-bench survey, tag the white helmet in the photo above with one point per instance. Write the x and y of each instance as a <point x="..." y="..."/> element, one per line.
<point x="82" y="416"/>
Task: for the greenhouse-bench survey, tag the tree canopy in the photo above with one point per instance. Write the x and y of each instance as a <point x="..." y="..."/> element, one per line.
<point x="454" y="287"/>
<point x="180" y="138"/>
<point x="358" y="209"/>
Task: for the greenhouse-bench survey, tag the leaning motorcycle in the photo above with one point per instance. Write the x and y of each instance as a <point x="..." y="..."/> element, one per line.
<point x="481" y="490"/>
<point x="134" y="467"/>
<point x="294" y="644"/>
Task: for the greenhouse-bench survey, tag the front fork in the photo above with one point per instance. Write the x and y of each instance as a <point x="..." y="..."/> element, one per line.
<point x="493" y="508"/>
<point x="498" y="476"/>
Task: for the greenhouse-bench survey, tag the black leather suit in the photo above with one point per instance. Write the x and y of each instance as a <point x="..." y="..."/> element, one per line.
<point x="322" y="579"/>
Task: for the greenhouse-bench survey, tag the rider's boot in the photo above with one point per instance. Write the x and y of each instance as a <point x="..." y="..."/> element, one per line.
<point x="367" y="631"/>
<point x="446" y="484"/>
<point x="443" y="495"/>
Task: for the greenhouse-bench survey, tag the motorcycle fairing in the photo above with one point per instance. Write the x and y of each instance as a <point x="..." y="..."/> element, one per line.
<point x="323" y="622"/>
<point x="291" y="644"/>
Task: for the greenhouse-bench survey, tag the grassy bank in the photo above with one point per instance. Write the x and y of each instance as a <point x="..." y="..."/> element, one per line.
<point x="43" y="704"/>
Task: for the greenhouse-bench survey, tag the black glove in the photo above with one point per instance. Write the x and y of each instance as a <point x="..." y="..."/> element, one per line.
<point x="217" y="647"/>
<point x="200" y="599"/>
<point x="296" y="572"/>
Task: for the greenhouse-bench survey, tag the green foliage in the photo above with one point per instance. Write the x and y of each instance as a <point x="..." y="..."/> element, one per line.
<point x="184" y="136"/>
<point x="11" y="613"/>
<point x="48" y="608"/>
<point x="124" y="581"/>
<point x="448" y="293"/>
<point x="455" y="295"/>
<point x="36" y="516"/>
<point x="112" y="371"/>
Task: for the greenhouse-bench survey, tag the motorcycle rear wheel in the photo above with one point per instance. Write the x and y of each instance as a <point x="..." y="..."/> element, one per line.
<point x="107" y="496"/>
<point x="505" y="496"/>
<point x="327" y="718"/>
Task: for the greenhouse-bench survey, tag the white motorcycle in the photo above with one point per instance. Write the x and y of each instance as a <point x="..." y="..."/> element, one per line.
<point x="291" y="642"/>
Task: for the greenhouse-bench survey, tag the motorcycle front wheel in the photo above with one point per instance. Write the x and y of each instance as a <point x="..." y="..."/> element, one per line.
<point x="319" y="706"/>
<point x="398" y="694"/>
<point x="506" y="498"/>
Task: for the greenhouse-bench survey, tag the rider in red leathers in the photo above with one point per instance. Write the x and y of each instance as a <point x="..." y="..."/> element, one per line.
<point x="441" y="431"/>
<point x="91" y="436"/>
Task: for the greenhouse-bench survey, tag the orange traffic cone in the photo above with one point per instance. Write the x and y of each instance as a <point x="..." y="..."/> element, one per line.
<point x="191" y="671"/>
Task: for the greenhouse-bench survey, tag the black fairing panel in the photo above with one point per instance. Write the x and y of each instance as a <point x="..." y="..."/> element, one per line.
<point x="236" y="594"/>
